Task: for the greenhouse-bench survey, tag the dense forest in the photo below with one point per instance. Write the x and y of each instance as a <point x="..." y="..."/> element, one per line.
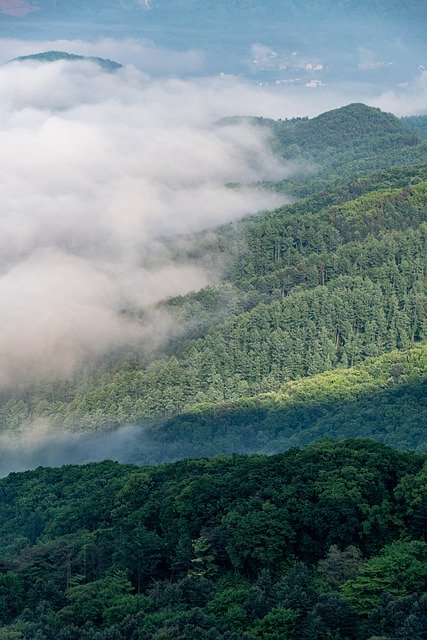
<point x="298" y="378"/>
<point x="305" y="293"/>
<point x="317" y="543"/>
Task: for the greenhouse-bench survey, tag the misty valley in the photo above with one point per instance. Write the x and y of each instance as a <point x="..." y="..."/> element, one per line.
<point x="213" y="323"/>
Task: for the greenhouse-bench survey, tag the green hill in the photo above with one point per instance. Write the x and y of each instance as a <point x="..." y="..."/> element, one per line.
<point x="316" y="286"/>
<point x="328" y="537"/>
<point x="341" y="145"/>
<point x="54" y="56"/>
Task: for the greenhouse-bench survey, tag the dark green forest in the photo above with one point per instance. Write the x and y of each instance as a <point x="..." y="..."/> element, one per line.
<point x="322" y="542"/>
<point x="298" y="380"/>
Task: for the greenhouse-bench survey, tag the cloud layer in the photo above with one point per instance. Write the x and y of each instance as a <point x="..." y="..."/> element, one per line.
<point x="96" y="168"/>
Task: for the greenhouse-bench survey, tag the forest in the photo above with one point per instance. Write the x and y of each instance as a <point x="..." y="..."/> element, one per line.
<point x="313" y="286"/>
<point x="326" y="541"/>
<point x="277" y="482"/>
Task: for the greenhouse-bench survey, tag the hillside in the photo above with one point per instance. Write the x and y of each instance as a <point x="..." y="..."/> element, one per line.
<point x="316" y="286"/>
<point x="384" y="399"/>
<point x="341" y="145"/>
<point x="254" y="548"/>
<point x="332" y="289"/>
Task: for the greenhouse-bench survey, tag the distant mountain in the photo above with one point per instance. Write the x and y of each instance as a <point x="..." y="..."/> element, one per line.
<point x="54" y="56"/>
<point x="381" y="41"/>
<point x="336" y="130"/>
<point x="343" y="144"/>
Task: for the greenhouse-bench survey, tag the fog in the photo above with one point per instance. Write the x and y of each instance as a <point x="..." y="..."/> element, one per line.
<point x="37" y="445"/>
<point x="96" y="168"/>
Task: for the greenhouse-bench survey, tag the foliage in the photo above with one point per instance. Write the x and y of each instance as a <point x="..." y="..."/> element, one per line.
<point x="301" y="544"/>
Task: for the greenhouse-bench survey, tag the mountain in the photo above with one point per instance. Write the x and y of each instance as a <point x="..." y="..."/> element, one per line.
<point x="341" y="145"/>
<point x="319" y="285"/>
<point x="54" y="56"/>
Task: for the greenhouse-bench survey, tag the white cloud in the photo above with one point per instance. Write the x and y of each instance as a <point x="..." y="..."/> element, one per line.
<point x="95" y="168"/>
<point x="141" y="52"/>
<point x="410" y="99"/>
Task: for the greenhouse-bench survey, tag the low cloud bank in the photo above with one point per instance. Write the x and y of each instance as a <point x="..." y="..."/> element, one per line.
<point x="39" y="446"/>
<point x="96" y="168"/>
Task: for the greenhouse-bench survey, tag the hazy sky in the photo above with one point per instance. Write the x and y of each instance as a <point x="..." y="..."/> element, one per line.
<point x="378" y="42"/>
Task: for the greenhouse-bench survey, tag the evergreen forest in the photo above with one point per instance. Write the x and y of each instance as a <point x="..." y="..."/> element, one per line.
<point x="276" y="483"/>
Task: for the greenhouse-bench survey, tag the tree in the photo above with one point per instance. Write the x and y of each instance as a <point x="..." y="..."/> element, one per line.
<point x="399" y="570"/>
<point x="339" y="566"/>
<point x="279" y="624"/>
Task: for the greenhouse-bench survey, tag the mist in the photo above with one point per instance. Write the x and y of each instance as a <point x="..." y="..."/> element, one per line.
<point x="38" y="445"/>
<point x="97" y="167"/>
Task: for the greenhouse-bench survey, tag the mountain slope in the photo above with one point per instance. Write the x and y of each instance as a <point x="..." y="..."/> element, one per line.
<point x="385" y="399"/>
<point x="323" y="290"/>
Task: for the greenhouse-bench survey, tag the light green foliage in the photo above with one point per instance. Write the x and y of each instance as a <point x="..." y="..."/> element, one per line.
<point x="279" y="624"/>
<point x="96" y="601"/>
<point x="400" y="569"/>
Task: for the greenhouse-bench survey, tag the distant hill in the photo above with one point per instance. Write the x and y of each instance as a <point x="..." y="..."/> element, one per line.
<point x="356" y="125"/>
<point x="54" y="56"/>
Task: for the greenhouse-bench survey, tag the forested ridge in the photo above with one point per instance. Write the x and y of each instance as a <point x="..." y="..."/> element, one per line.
<point x="306" y="293"/>
<point x="325" y="282"/>
<point x="342" y="143"/>
<point x="327" y="541"/>
<point x="311" y="344"/>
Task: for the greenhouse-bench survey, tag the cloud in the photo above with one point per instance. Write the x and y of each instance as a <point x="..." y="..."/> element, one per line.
<point x="140" y="52"/>
<point x="17" y="8"/>
<point x="96" y="169"/>
<point x="131" y="4"/>
<point x="38" y="444"/>
<point x="410" y="99"/>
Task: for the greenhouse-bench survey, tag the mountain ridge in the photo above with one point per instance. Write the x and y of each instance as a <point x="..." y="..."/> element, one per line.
<point x="55" y="56"/>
